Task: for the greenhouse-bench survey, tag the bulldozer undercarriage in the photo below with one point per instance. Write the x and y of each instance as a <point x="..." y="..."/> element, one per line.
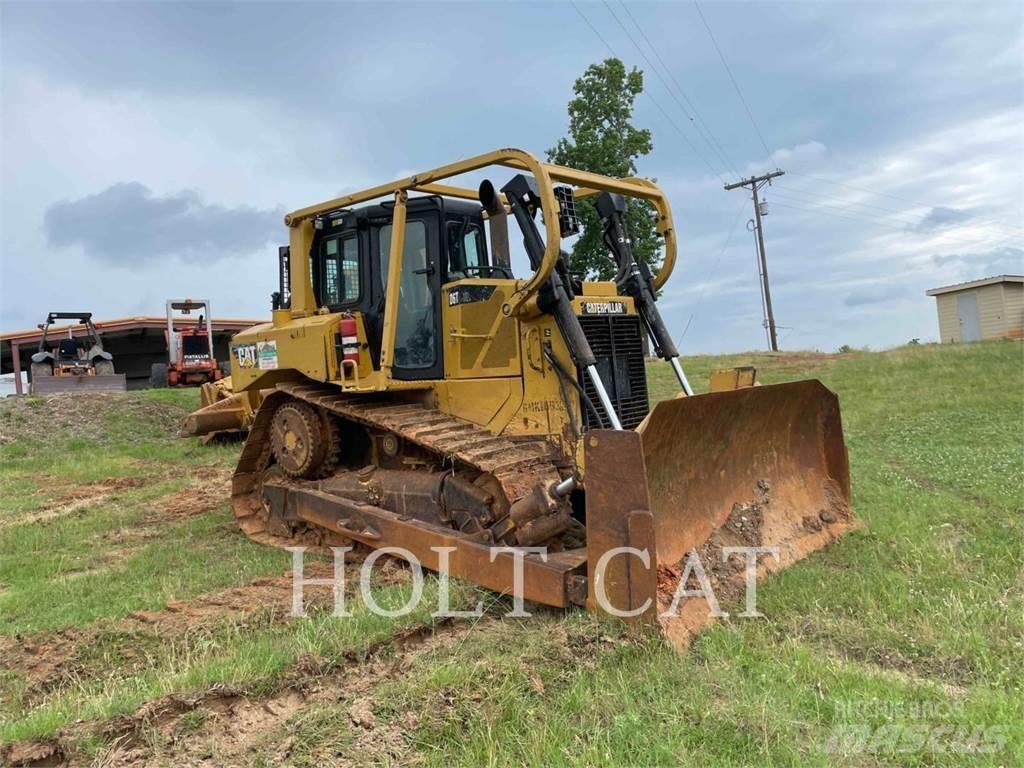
<point x="376" y="454"/>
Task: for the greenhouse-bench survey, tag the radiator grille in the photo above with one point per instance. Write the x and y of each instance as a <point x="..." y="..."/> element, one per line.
<point x="618" y="346"/>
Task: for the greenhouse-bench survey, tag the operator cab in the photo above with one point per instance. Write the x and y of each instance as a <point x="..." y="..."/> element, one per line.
<point x="444" y="242"/>
<point x="70" y="351"/>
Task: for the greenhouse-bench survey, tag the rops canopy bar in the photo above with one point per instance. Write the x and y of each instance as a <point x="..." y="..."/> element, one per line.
<point x="544" y="173"/>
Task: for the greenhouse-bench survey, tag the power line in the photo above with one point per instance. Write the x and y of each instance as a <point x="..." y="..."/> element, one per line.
<point x="713" y="272"/>
<point x="647" y="95"/>
<point x="735" y="85"/>
<point x="594" y="29"/>
<point x="764" y="144"/>
<point x="658" y="75"/>
<point x="707" y="134"/>
<point x="755" y="183"/>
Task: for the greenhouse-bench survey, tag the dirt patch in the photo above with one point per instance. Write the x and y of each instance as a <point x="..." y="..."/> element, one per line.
<point x="77" y="499"/>
<point x="134" y="535"/>
<point x="35" y="753"/>
<point x="87" y="415"/>
<point x="229" y="727"/>
<point x="48" y="660"/>
<point x="270" y="594"/>
<point x="210" y="487"/>
<point x="39" y="660"/>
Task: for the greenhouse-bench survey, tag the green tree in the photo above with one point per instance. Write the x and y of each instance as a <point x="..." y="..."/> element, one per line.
<point x="602" y="139"/>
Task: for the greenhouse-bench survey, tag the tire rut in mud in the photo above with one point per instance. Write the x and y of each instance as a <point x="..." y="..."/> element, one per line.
<point x="224" y="726"/>
<point x="46" y="661"/>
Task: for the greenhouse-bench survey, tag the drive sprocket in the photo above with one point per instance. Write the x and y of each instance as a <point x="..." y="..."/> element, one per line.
<point x="298" y="439"/>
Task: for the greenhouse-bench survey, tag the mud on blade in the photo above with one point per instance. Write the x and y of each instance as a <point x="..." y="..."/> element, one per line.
<point x="760" y="466"/>
<point x="780" y="446"/>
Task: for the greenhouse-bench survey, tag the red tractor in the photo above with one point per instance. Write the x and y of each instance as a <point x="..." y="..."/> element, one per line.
<point x="191" y="361"/>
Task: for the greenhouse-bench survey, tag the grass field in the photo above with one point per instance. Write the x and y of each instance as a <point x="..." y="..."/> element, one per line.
<point x="137" y="626"/>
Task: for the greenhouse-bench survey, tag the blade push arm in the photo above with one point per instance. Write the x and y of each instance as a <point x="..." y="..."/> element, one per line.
<point x="555" y="295"/>
<point x="635" y="280"/>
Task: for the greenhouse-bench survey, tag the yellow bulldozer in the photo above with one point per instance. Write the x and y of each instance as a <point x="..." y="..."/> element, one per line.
<point x="412" y="392"/>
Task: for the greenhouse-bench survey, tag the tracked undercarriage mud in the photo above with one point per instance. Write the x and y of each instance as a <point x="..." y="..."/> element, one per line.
<point x="394" y="454"/>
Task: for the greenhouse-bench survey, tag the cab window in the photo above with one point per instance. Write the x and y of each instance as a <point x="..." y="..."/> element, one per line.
<point x="350" y="269"/>
<point x="465" y="248"/>
<point x="329" y="293"/>
<point x="415" y="332"/>
<point x="471" y="248"/>
<point x="339" y="257"/>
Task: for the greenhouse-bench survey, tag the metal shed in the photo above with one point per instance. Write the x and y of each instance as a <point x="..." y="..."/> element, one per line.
<point x="989" y="308"/>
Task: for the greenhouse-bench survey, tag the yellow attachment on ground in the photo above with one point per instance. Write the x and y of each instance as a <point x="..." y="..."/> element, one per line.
<point x="725" y="379"/>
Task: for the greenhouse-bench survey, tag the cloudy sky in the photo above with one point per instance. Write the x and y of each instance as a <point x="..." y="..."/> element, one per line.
<point x="151" y="150"/>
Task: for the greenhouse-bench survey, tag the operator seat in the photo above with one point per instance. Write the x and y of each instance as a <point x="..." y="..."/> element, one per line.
<point x="67" y="349"/>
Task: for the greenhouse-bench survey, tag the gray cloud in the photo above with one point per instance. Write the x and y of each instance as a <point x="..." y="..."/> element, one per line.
<point x="874" y="295"/>
<point x="219" y="97"/>
<point x="998" y="261"/>
<point x="940" y="217"/>
<point x="127" y="225"/>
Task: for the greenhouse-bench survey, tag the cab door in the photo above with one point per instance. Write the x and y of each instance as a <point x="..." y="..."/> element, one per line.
<point x="418" y="348"/>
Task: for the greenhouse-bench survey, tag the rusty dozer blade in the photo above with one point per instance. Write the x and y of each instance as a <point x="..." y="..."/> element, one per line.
<point x="757" y="467"/>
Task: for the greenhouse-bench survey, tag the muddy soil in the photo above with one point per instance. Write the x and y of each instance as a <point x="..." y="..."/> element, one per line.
<point x="742" y="528"/>
<point x="76" y="499"/>
<point x="210" y="488"/>
<point x="48" y="660"/>
<point x="226" y="727"/>
<point x="726" y="576"/>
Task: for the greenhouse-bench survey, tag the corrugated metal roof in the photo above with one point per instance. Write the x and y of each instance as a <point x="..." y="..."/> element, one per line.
<point x="976" y="284"/>
<point x="124" y="324"/>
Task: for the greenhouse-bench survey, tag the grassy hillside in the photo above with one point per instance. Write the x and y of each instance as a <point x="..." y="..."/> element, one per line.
<point x="136" y="624"/>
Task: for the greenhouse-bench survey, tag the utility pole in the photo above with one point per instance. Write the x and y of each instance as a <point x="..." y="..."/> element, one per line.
<point x="755" y="183"/>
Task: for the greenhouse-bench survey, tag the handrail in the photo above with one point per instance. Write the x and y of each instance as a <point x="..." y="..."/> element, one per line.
<point x="544" y="174"/>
